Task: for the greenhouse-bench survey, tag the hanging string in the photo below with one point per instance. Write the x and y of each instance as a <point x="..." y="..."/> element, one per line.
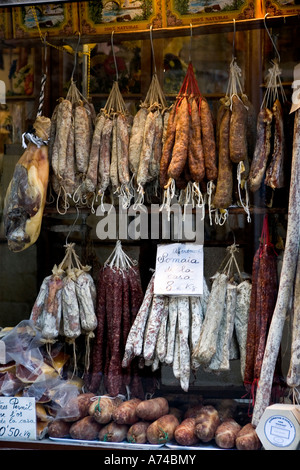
<point x="190" y="48"/>
<point x="75" y="58"/>
<point x="270" y="36"/>
<point x="43" y="81"/>
<point x="61" y="48"/>
<point x="113" y="53"/>
<point x="152" y="49"/>
<point x="233" y="41"/>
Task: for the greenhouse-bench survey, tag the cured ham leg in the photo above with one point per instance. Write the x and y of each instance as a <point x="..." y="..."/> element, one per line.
<point x="26" y="194"/>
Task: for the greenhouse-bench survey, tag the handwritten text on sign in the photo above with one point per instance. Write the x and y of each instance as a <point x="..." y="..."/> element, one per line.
<point x="17" y="418"/>
<point x="179" y="269"/>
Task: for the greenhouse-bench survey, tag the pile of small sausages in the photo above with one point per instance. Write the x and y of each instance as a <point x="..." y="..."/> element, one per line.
<point x="154" y="422"/>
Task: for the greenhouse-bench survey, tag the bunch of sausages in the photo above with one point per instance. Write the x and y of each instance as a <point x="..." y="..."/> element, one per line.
<point x="71" y="132"/>
<point x="189" y="151"/>
<point x="269" y="154"/>
<point x="108" y="170"/>
<point x="223" y="333"/>
<point x="146" y="141"/>
<point x="262" y="304"/>
<point x="119" y="297"/>
<point x="65" y="305"/>
<point x="165" y="331"/>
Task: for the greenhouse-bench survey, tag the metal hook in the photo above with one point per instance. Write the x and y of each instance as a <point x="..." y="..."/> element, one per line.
<point x="271" y="37"/>
<point x="191" y="35"/>
<point x="152" y="48"/>
<point x="113" y="52"/>
<point x="233" y="41"/>
<point x="75" y="59"/>
<point x="45" y="53"/>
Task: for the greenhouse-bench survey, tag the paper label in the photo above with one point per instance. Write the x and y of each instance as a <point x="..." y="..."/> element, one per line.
<point x="280" y="431"/>
<point x="17" y="418"/>
<point x="179" y="269"/>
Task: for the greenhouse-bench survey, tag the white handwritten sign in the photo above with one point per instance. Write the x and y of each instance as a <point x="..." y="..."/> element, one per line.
<point x="179" y="269"/>
<point x="17" y="418"/>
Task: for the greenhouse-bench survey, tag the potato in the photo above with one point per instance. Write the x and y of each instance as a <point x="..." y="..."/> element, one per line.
<point x="137" y="433"/>
<point x="102" y="408"/>
<point x="247" y="438"/>
<point x="185" y="433"/>
<point x="85" y="429"/>
<point x="59" y="428"/>
<point x="78" y="407"/>
<point x="226" y="433"/>
<point x="162" y="430"/>
<point x="152" y="409"/>
<point x="125" y="413"/>
<point x="113" y="432"/>
<point x="207" y="421"/>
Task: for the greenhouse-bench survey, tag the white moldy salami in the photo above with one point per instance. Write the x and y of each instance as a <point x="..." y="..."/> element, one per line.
<point x="134" y="343"/>
<point x="293" y="376"/>
<point x="220" y="360"/>
<point x="37" y="309"/>
<point x="153" y="325"/>
<point x="197" y="318"/>
<point x="208" y="339"/>
<point x="286" y="284"/>
<point x="85" y="291"/>
<point x="70" y="308"/>
<point x="184" y="349"/>
<point x="161" y="344"/>
<point x="241" y="319"/>
<point x="171" y="329"/>
<point x="82" y="138"/>
<point x="136" y="139"/>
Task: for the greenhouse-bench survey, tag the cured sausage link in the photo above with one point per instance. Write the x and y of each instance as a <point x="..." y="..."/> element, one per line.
<point x="262" y="149"/>
<point x="285" y="285"/>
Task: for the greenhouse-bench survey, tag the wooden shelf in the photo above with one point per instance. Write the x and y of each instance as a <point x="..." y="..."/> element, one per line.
<point x="211" y="28"/>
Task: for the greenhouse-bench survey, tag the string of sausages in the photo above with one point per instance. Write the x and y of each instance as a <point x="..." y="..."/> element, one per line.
<point x="262" y="304"/>
<point x="71" y="132"/>
<point x="146" y="142"/>
<point x="269" y="155"/>
<point x="234" y="117"/>
<point x="65" y="304"/>
<point x="189" y="151"/>
<point x="188" y="332"/>
<point x="119" y="297"/>
<point x="225" y="325"/>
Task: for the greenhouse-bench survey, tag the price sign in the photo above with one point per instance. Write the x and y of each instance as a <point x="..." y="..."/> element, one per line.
<point x="179" y="269"/>
<point x="17" y="418"/>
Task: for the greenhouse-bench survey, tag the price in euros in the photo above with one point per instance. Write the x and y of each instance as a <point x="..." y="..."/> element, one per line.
<point x="13" y="432"/>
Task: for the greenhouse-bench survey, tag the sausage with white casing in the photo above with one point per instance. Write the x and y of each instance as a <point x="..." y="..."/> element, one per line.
<point x="286" y="283"/>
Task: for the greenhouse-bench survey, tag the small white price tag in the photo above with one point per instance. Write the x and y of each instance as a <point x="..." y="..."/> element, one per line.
<point x="17" y="418"/>
<point x="179" y="269"/>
